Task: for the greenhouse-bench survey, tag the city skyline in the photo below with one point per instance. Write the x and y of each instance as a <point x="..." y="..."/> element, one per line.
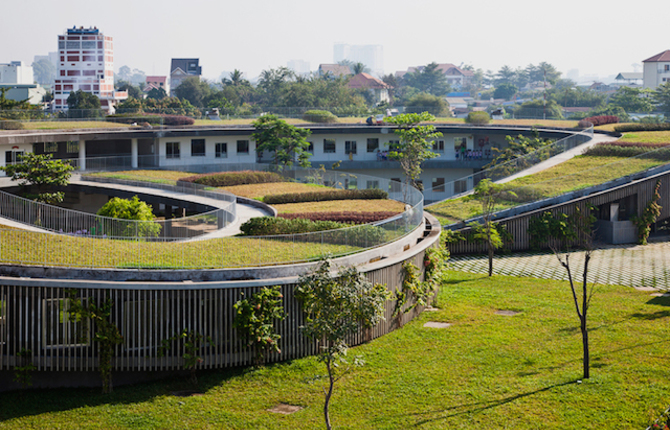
<point x="592" y="37"/>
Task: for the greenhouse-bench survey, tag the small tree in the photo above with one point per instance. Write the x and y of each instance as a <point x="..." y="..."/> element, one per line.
<point x="83" y="105"/>
<point x="255" y="318"/>
<point x="24" y="368"/>
<point x="190" y="344"/>
<point x="106" y="334"/>
<point x="42" y="172"/>
<point x="414" y="147"/>
<point x="286" y="141"/>
<point x="582" y="225"/>
<point x="337" y="306"/>
<point x="649" y="215"/>
<point x="488" y="194"/>
<point x="132" y="209"/>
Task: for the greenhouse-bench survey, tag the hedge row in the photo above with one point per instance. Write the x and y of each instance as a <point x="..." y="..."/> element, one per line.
<point x="363" y="236"/>
<point x="322" y="116"/>
<point x="8" y="124"/>
<point x="663" y="126"/>
<point x="228" y="179"/>
<point x="367" y="194"/>
<point x="269" y="226"/>
<point x="153" y="119"/>
<point x="598" y="120"/>
<point x="344" y="217"/>
<point x="627" y="150"/>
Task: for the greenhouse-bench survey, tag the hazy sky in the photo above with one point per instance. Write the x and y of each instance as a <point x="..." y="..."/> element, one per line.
<point x="594" y="36"/>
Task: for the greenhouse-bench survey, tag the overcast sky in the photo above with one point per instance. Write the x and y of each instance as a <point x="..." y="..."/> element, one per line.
<point x="593" y="36"/>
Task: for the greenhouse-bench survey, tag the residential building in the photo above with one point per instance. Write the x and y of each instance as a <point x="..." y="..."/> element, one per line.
<point x="86" y="63"/>
<point x="370" y="55"/>
<point x="378" y="88"/>
<point x="456" y="77"/>
<point x="335" y="70"/>
<point x="182" y="68"/>
<point x="16" y="72"/>
<point x="34" y="93"/>
<point x="300" y="67"/>
<point x="157" y="82"/>
<point x="629" y="79"/>
<point x="656" y="70"/>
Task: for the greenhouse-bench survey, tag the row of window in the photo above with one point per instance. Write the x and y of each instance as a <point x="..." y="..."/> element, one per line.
<point x="198" y="149"/>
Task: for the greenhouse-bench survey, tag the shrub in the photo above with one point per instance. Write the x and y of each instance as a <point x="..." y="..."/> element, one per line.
<point x="8" y="124"/>
<point x="664" y="126"/>
<point x="599" y="120"/>
<point x="319" y="116"/>
<point x="366" y="194"/>
<point x="134" y="210"/>
<point x="478" y="118"/>
<point x="268" y="226"/>
<point x="228" y="179"/>
<point x="153" y="119"/>
<point x="628" y="149"/>
<point x="344" y="217"/>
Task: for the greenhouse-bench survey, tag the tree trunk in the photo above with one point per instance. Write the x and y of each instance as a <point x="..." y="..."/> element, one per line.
<point x="490" y="258"/>
<point x="329" y="393"/>
<point x="585" y="345"/>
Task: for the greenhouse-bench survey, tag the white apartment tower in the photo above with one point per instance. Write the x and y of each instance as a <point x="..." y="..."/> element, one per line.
<point x="86" y="62"/>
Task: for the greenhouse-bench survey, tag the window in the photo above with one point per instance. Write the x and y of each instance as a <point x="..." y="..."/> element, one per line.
<point x="12" y="157"/>
<point x="460" y="142"/>
<point x="438" y="146"/>
<point x="221" y="150"/>
<point x="62" y="327"/>
<point x="373" y="145"/>
<point x="310" y="148"/>
<point x="50" y="146"/>
<point x="372" y="184"/>
<point x="329" y="146"/>
<point x="396" y="185"/>
<point x="73" y="147"/>
<point x="438" y="185"/>
<point x="242" y="146"/>
<point x="350" y="147"/>
<point x="197" y="147"/>
<point x="460" y="186"/>
<point x="172" y="150"/>
<point x="73" y="58"/>
<point x="394" y="145"/>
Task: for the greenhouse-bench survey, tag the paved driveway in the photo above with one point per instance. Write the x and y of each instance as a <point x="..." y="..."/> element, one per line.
<point x="644" y="267"/>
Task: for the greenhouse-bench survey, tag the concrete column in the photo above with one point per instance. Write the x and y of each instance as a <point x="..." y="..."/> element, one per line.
<point x="82" y="155"/>
<point x="133" y="153"/>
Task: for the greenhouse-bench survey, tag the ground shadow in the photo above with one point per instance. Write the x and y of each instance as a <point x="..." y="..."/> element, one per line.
<point x="477" y="407"/>
<point x="651" y="316"/>
<point x="16" y="404"/>
<point x="663" y="300"/>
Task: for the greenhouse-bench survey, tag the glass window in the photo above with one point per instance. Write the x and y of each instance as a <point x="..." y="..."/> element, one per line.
<point x="350" y="147"/>
<point x="172" y="150"/>
<point x="221" y="150"/>
<point x="460" y="186"/>
<point x="373" y="145"/>
<point x="73" y="147"/>
<point x="372" y="184"/>
<point x="394" y="145"/>
<point x="50" y="146"/>
<point x="438" y="146"/>
<point x="438" y="185"/>
<point x="310" y="148"/>
<point x="242" y="146"/>
<point x="197" y="147"/>
<point x="329" y="146"/>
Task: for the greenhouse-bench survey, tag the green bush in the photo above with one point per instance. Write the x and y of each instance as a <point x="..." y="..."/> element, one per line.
<point x="478" y="118"/>
<point x="323" y="116"/>
<point x="627" y="150"/>
<point x="8" y="124"/>
<point x="366" y="194"/>
<point x="135" y="210"/>
<point x="268" y="226"/>
<point x="228" y="179"/>
<point x="153" y="119"/>
<point x="623" y="128"/>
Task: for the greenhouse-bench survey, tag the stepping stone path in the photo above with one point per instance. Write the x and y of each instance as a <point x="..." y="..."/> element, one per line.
<point x="643" y="267"/>
<point x="435" y="324"/>
<point x="285" y="409"/>
<point x="507" y="313"/>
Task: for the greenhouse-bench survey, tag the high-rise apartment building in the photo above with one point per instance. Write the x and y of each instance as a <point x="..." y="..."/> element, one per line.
<point x="86" y="62"/>
<point x="370" y="55"/>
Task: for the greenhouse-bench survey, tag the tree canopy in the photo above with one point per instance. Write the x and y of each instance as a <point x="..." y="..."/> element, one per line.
<point x="40" y="170"/>
<point x="430" y="79"/>
<point x="83" y="104"/>
<point x="288" y="142"/>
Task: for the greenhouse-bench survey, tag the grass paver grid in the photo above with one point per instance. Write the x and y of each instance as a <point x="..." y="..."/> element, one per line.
<point x="630" y="265"/>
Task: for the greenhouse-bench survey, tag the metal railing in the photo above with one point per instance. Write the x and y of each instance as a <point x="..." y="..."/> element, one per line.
<point x="466" y="184"/>
<point x="77" y="223"/>
<point x="43" y="249"/>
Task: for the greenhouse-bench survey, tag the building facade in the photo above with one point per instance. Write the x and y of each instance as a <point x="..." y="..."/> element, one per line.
<point x="16" y="72"/>
<point x="657" y="70"/>
<point x="86" y="62"/>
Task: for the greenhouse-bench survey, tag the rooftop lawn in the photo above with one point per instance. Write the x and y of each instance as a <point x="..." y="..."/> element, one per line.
<point x="486" y="371"/>
<point x="342" y="206"/>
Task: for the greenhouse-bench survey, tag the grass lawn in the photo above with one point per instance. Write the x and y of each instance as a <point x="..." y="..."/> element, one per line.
<point x="257" y="191"/>
<point x="656" y="137"/>
<point x="486" y="371"/>
<point x="155" y="176"/>
<point x="576" y="173"/>
<point x="342" y="206"/>
<point x="25" y="247"/>
<point x="67" y="125"/>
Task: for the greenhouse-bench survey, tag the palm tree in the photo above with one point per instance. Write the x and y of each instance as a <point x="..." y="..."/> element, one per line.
<point x="357" y="68"/>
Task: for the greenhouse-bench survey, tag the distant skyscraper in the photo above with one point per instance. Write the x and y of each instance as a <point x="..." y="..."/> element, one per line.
<point x="299" y="66"/>
<point x="86" y="63"/>
<point x="370" y="55"/>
